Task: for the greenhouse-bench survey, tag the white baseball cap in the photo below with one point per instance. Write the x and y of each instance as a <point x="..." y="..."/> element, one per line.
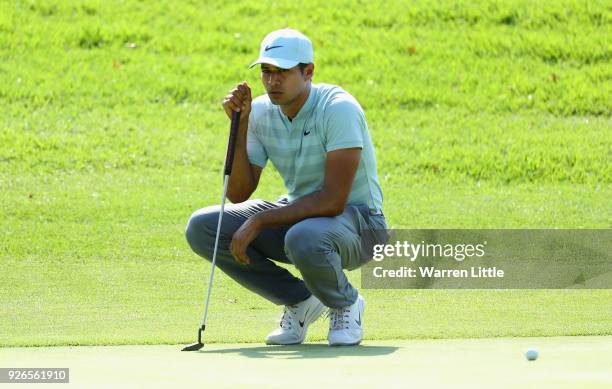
<point x="285" y="49"/>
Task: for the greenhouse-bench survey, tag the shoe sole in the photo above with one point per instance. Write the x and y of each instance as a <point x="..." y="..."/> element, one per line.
<point x="361" y="309"/>
<point x="308" y="320"/>
<point x="282" y="344"/>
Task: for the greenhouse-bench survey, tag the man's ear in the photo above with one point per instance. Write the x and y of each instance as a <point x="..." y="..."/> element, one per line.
<point x="309" y="72"/>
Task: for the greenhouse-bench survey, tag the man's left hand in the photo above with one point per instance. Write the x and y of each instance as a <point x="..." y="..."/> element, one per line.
<point x="242" y="238"/>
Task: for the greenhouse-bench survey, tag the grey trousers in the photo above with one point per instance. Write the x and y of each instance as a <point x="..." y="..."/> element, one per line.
<point x="319" y="247"/>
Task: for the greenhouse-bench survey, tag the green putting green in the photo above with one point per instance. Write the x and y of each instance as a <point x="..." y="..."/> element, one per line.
<point x="497" y="362"/>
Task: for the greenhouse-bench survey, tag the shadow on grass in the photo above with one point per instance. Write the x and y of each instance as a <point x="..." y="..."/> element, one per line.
<point x="304" y="351"/>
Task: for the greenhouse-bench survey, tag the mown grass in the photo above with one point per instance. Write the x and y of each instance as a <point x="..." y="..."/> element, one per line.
<point x="484" y="114"/>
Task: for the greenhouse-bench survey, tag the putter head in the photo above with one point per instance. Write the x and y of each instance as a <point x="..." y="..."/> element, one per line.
<point x="197" y="345"/>
<point x="193" y="347"/>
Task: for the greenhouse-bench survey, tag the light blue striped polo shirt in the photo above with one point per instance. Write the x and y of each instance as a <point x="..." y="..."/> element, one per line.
<point x="330" y="119"/>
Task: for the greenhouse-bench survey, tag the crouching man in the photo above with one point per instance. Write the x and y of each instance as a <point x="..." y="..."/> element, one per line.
<point x="317" y="137"/>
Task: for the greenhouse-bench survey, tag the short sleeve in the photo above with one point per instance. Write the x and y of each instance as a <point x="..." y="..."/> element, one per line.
<point x="255" y="149"/>
<point x="344" y="124"/>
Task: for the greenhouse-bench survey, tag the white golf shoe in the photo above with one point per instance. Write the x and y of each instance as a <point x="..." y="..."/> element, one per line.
<point x="346" y="324"/>
<point x="295" y="321"/>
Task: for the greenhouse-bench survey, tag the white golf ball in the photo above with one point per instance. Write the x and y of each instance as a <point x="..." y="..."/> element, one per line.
<point x="531" y="354"/>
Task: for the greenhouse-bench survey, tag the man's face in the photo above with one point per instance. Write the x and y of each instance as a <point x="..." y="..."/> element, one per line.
<point x="284" y="85"/>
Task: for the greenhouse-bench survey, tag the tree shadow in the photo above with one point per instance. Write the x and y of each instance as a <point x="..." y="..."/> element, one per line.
<point x="301" y="351"/>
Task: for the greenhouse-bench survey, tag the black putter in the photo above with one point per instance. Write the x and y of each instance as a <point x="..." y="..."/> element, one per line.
<point x="229" y="159"/>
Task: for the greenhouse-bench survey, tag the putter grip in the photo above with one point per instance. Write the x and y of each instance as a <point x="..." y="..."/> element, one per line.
<point x="229" y="157"/>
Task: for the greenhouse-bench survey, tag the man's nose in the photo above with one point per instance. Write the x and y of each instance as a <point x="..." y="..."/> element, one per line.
<point x="272" y="78"/>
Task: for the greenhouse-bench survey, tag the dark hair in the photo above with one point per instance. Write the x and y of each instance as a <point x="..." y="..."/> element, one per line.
<point x="302" y="67"/>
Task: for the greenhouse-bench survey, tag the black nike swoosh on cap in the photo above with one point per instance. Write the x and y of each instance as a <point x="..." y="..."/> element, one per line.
<point x="271" y="47"/>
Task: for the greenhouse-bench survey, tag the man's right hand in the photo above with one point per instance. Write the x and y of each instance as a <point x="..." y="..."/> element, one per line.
<point x="238" y="100"/>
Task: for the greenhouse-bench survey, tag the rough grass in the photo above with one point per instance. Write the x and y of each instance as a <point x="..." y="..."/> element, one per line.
<point x="484" y="114"/>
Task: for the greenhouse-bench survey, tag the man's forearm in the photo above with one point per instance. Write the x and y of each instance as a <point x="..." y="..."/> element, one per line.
<point x="315" y="204"/>
<point x="241" y="181"/>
